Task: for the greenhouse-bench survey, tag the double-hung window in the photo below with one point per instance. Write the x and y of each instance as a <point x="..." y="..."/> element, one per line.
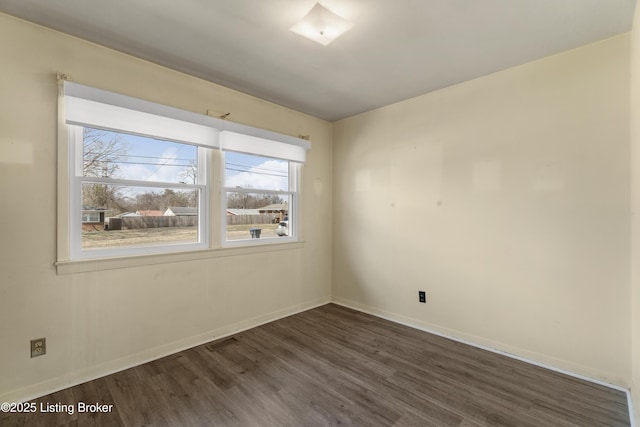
<point x="143" y="167"/>
<point x="262" y="192"/>
<point x="260" y="188"/>
<point x="150" y="195"/>
<point x="141" y="179"/>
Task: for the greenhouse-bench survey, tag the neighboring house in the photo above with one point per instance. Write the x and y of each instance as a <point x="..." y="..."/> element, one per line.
<point x="92" y="218"/>
<point x="247" y="216"/>
<point x="149" y="213"/>
<point x="277" y="210"/>
<point x="91" y="215"/>
<point x="181" y="212"/>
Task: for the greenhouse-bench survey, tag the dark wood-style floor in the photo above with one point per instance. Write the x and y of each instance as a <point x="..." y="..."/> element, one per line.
<point x="335" y="366"/>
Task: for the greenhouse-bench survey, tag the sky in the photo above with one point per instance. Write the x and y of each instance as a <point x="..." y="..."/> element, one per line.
<point x="149" y="159"/>
<point x="247" y="171"/>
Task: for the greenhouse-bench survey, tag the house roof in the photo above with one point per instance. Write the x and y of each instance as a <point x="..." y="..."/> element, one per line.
<point x="87" y="208"/>
<point x="149" y="213"/>
<point x="243" y="211"/>
<point x="182" y="211"/>
<point x="275" y="207"/>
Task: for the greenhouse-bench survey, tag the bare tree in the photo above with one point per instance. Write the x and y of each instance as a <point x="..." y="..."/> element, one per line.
<point x="251" y="201"/>
<point x="164" y="200"/>
<point x="101" y="151"/>
<point x="190" y="173"/>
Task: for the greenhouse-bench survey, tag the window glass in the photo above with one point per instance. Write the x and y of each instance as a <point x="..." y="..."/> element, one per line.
<point x="135" y="192"/>
<point x="109" y="154"/>
<point x="90" y="216"/>
<point x="259" y="198"/>
<point x="138" y="216"/>
<point x="263" y="173"/>
<point x="257" y="215"/>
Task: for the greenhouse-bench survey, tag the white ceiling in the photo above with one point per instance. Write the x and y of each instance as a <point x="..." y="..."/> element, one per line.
<point x="396" y="50"/>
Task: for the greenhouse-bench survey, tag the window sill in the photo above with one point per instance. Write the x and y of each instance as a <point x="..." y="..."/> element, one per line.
<point x="85" y="266"/>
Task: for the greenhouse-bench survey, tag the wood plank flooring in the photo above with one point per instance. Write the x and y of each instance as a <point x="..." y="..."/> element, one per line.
<point x="335" y="366"/>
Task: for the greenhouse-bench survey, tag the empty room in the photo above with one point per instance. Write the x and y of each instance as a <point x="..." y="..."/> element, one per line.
<point x="292" y="213"/>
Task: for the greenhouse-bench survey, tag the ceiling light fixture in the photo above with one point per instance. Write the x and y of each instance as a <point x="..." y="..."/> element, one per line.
<point x="321" y="25"/>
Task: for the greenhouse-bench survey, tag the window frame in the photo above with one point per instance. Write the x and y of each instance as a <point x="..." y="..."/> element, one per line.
<point x="76" y="180"/>
<point x="294" y="206"/>
<point x="81" y="105"/>
<point x="90" y="218"/>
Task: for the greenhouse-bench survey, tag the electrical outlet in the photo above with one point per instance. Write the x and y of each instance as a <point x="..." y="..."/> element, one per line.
<point x="422" y="296"/>
<point x="38" y="347"/>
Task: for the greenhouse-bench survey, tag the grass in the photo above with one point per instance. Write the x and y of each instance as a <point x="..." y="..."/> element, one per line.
<point x="239" y="232"/>
<point x="147" y="236"/>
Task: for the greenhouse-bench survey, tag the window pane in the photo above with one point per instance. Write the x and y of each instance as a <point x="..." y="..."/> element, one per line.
<point x="249" y="212"/>
<point x="138" y="216"/>
<point x="90" y="215"/>
<point x="262" y="173"/>
<point x="109" y="154"/>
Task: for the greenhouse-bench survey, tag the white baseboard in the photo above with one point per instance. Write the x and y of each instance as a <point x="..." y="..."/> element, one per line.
<point x="417" y="324"/>
<point x="81" y="376"/>
<point x="632" y="412"/>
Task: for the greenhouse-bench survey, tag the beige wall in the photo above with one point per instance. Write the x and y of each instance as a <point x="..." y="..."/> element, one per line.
<point x="635" y="213"/>
<point x="506" y="199"/>
<point x="106" y="320"/>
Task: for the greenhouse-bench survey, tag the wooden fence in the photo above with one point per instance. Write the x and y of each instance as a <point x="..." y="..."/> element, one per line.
<point x="138" y="222"/>
<point x="249" y="219"/>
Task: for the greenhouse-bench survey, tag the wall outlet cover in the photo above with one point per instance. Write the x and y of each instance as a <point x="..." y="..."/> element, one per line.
<point x="38" y="347"/>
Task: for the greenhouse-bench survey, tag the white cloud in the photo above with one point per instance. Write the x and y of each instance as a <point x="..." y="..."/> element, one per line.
<point x="164" y="169"/>
<point x="269" y="175"/>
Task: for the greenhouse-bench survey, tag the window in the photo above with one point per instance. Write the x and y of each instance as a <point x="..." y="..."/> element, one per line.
<point x="260" y="188"/>
<point x="90" y="216"/>
<point x="138" y="179"/>
<point x="152" y="194"/>
<point x="259" y="197"/>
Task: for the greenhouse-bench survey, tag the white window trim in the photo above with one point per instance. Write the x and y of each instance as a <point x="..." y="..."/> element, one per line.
<point x="85" y="105"/>
<point x="261" y="146"/>
<point x="185" y="126"/>
<point x="75" y="207"/>
<point x="65" y="264"/>
<point x="293" y="193"/>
